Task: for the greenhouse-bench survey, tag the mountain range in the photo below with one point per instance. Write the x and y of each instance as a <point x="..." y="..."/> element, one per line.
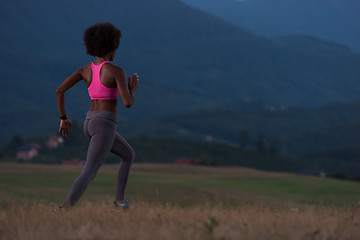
<point x="187" y="59"/>
<point x="334" y="20"/>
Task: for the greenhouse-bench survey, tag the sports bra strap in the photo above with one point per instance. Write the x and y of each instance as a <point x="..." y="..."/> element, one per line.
<point x="97" y="90"/>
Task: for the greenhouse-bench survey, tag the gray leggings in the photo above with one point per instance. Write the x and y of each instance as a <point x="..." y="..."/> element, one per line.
<point x="100" y="128"/>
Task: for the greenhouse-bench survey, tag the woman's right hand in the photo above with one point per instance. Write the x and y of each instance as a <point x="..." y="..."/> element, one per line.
<point x="64" y="127"/>
<point x="133" y="82"/>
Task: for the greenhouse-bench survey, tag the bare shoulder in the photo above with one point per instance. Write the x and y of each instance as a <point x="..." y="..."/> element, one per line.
<point x="113" y="69"/>
<point x="85" y="73"/>
<point x="84" y="70"/>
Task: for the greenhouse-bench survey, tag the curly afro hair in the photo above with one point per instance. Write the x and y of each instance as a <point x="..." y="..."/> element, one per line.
<point x="101" y="39"/>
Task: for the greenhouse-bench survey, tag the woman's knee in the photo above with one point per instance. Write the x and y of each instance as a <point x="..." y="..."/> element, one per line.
<point x="125" y="152"/>
<point x="132" y="155"/>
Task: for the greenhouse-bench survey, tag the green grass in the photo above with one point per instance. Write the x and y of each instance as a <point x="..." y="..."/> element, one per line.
<point x="183" y="185"/>
<point x="283" y="188"/>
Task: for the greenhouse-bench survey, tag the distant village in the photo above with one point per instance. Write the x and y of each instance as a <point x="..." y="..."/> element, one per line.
<point x="31" y="150"/>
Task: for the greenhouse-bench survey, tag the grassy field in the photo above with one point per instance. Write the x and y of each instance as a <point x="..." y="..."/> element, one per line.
<point x="178" y="202"/>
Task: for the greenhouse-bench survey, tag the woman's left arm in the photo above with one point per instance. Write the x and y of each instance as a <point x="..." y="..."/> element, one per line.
<point x="60" y="97"/>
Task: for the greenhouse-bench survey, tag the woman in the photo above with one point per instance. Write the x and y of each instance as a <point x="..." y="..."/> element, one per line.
<point x="104" y="81"/>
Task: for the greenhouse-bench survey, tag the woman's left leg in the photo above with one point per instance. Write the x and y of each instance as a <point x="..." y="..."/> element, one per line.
<point x="122" y="149"/>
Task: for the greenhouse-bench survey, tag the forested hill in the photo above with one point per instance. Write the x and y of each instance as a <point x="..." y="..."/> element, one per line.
<point x="296" y="131"/>
<point x="186" y="59"/>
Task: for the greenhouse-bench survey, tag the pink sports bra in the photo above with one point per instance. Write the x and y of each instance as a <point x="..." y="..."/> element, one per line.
<point x="97" y="90"/>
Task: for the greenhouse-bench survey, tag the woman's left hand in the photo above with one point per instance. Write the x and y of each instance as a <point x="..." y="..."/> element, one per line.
<point x="65" y="126"/>
<point x="133" y="82"/>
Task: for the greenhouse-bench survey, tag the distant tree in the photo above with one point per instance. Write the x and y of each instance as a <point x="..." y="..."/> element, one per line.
<point x="244" y="138"/>
<point x="357" y="178"/>
<point x="273" y="147"/>
<point x="261" y="147"/>
<point x="207" y="161"/>
<point x="144" y="137"/>
<point x="15" y="142"/>
<point x="340" y="175"/>
<point x="10" y="149"/>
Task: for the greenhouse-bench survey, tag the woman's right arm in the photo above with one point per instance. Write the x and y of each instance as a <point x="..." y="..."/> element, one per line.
<point x="60" y="97"/>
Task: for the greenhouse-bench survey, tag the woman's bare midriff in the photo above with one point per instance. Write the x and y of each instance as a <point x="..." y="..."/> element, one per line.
<point x="103" y="105"/>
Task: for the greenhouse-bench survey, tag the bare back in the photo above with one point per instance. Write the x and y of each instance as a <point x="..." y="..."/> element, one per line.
<point x="110" y="76"/>
<point x="107" y="79"/>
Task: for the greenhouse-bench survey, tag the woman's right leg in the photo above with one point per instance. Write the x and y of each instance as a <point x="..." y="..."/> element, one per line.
<point x="102" y="133"/>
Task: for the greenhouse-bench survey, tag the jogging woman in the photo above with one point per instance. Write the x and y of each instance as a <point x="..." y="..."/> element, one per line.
<point x="104" y="82"/>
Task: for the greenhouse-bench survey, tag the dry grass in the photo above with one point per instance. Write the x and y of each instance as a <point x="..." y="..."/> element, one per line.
<point x="221" y="203"/>
<point x="144" y="221"/>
